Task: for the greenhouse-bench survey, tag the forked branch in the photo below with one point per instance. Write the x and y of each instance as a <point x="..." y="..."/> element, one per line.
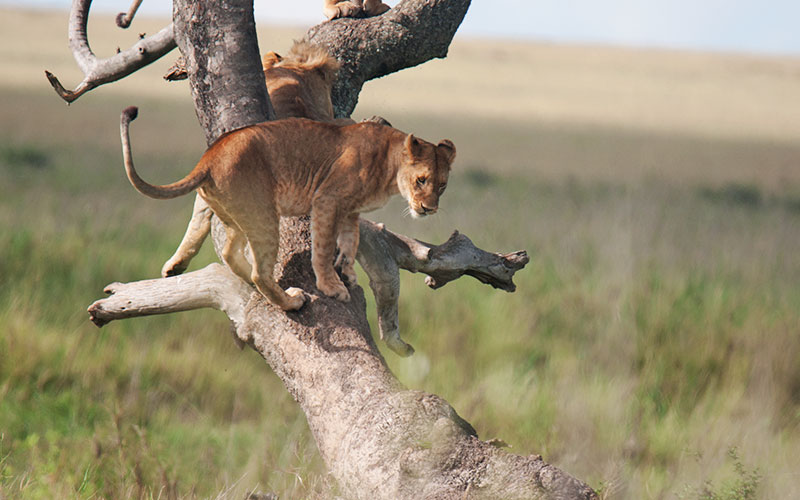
<point x="383" y="253"/>
<point x="99" y="71"/>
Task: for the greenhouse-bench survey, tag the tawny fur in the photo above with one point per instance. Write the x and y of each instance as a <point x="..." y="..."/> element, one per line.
<point x="300" y="84"/>
<point x="353" y="8"/>
<point x="251" y="176"/>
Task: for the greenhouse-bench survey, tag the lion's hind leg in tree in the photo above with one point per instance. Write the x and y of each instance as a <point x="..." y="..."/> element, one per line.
<point x="334" y="9"/>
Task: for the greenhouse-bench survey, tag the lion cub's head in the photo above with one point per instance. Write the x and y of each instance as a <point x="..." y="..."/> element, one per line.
<point x="423" y="177"/>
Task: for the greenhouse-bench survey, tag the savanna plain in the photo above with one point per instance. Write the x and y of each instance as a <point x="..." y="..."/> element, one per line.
<point x="652" y="347"/>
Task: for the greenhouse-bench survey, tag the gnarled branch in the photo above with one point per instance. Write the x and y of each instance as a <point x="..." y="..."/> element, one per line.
<point x="383" y="253"/>
<point x="124" y="19"/>
<point x="99" y="71"/>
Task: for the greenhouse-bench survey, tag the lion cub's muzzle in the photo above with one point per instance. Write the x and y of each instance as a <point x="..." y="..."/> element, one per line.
<point x="428" y="210"/>
<point x="422" y="210"/>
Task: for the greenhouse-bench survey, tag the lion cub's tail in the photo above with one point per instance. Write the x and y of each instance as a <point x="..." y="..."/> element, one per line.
<point x="183" y="186"/>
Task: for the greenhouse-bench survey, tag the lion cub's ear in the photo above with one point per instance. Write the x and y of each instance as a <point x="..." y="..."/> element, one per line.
<point x="270" y="59"/>
<point x="448" y="149"/>
<point x="413" y="146"/>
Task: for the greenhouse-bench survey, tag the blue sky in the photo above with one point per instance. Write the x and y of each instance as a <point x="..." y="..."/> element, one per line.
<point x="765" y="26"/>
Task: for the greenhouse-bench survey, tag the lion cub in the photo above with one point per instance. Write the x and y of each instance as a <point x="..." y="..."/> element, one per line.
<point x="353" y="8"/>
<point x="251" y="176"/>
<point x="299" y="86"/>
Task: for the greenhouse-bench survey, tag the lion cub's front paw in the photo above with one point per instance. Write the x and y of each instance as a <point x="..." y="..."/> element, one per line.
<point x="337" y="290"/>
<point x="173" y="267"/>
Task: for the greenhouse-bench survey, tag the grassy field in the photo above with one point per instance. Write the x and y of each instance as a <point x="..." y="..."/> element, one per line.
<point x="652" y="347"/>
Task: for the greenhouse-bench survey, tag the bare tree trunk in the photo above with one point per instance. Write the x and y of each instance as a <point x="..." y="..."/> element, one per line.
<point x="218" y="42"/>
<point x="377" y="438"/>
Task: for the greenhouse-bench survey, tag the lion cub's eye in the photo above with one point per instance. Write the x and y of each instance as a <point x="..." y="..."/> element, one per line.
<point x="421" y="181"/>
<point x="442" y="187"/>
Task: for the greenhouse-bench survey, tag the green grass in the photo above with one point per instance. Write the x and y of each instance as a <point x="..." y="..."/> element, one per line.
<point x="655" y="328"/>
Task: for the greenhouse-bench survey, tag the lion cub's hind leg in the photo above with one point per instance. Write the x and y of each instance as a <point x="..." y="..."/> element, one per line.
<point x="261" y="231"/>
<point x="199" y="227"/>
<point x="233" y="253"/>
<point x="325" y="222"/>
<point x="348" y="248"/>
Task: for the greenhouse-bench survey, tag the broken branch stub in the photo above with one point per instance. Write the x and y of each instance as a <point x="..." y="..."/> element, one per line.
<point x="100" y="71"/>
<point x="177" y="71"/>
<point x="124" y="19"/>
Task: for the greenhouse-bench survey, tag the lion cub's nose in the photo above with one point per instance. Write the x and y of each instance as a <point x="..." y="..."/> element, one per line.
<point x="427" y="210"/>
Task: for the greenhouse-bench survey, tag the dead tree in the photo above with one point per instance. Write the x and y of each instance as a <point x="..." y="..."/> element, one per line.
<point x="377" y="438"/>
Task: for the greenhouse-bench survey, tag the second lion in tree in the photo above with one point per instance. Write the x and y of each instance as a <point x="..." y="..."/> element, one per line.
<point x="251" y="176"/>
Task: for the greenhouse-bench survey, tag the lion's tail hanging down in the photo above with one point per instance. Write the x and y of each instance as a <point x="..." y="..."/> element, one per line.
<point x="183" y="186"/>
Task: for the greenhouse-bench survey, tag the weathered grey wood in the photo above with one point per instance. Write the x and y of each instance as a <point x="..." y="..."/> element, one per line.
<point x="99" y="71"/>
<point x="214" y="286"/>
<point x="124" y="19"/>
<point x="218" y="42"/>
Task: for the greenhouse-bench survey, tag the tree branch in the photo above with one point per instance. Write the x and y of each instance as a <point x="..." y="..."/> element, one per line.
<point x="411" y="33"/>
<point x="99" y="71"/>
<point x="124" y="19"/>
<point x="383" y="253"/>
<point x="214" y="286"/>
<point x="226" y="77"/>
